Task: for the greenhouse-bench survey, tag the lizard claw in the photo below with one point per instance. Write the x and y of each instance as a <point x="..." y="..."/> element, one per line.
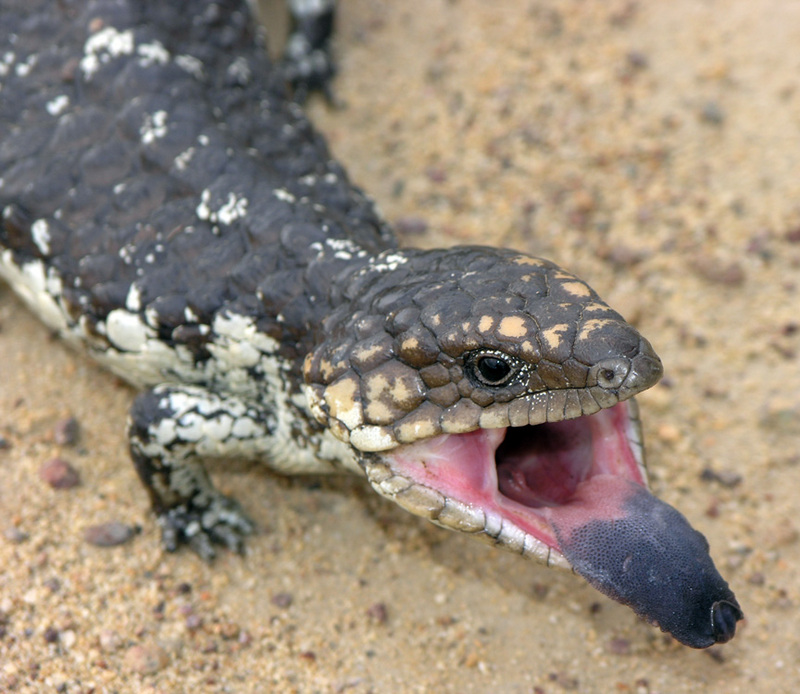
<point x="219" y="521"/>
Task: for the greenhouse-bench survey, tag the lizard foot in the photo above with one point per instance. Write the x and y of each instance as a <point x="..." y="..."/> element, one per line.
<point x="221" y="521"/>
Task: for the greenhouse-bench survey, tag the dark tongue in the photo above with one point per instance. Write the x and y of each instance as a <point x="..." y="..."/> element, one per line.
<point x="643" y="553"/>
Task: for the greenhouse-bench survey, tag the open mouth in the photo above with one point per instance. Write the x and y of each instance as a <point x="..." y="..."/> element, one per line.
<point x="528" y="482"/>
<point x="571" y="494"/>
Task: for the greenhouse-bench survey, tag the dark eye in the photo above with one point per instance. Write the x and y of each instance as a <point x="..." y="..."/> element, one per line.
<point x="491" y="370"/>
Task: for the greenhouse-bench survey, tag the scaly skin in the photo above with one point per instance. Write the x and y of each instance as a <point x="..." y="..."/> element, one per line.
<point x="169" y="209"/>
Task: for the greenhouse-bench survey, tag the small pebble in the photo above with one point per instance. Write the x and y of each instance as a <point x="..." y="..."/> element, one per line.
<point x="668" y="433"/>
<point x="15" y="535"/>
<point x="4" y="443"/>
<point x="59" y="474"/>
<point x="436" y="174"/>
<point x="563" y="680"/>
<point x="637" y="60"/>
<point x="623" y="256"/>
<point x="411" y="226"/>
<point x="717" y="270"/>
<point x="68" y="638"/>
<point x="782" y="415"/>
<point x="65" y="432"/>
<point x="472" y="659"/>
<point x="539" y="591"/>
<point x="378" y="613"/>
<point x="194" y="622"/>
<point x="727" y="478"/>
<point x="789" y="329"/>
<point x="782" y="535"/>
<point x="282" y="599"/>
<point x="108" y="534"/>
<point x="758" y="244"/>
<point x="51" y="635"/>
<point x="109" y="641"/>
<point x="229" y="630"/>
<point x="619" y="646"/>
<point x="146" y="659"/>
<point x="712" y="114"/>
<point x="184" y="588"/>
<point x="54" y="584"/>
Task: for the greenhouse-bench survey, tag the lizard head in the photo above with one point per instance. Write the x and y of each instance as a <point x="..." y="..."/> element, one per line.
<point x="490" y="392"/>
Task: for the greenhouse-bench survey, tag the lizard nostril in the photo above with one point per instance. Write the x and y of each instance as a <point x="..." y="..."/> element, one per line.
<point x="611" y="373"/>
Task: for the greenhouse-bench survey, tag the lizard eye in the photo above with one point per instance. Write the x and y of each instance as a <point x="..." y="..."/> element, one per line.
<point x="491" y="369"/>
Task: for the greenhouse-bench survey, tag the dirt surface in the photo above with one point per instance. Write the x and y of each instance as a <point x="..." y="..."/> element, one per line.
<point x="651" y="148"/>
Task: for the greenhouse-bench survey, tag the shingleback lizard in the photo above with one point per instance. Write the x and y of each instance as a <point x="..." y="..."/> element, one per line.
<point x="167" y="207"/>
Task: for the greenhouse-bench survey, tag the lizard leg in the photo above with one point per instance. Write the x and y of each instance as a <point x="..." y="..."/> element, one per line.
<point x="171" y="430"/>
<point x="307" y="62"/>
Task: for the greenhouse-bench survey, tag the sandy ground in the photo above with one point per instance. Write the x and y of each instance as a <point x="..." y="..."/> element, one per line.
<point x="653" y="149"/>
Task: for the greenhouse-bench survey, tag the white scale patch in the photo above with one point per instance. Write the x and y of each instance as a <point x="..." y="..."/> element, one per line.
<point x="41" y="235"/>
<point x="152" y="54"/>
<point x="345" y="249"/>
<point x="36" y="289"/>
<point x="386" y="262"/>
<point x="154" y="127"/>
<point x="239" y="70"/>
<point x="239" y="346"/>
<point x="133" y="302"/>
<point x="58" y="105"/>
<point x="190" y="64"/>
<point x="127" y="332"/>
<point x="284" y="195"/>
<point x="234" y="208"/>
<point x="183" y="159"/>
<point x="24" y="69"/>
<point x="155" y="362"/>
<point x="6" y="62"/>
<point x="100" y="48"/>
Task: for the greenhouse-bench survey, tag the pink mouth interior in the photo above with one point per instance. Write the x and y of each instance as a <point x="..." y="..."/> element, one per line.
<point x="561" y="474"/>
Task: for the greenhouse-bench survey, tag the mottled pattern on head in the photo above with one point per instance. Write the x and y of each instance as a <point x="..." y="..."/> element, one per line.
<point x="474" y="337"/>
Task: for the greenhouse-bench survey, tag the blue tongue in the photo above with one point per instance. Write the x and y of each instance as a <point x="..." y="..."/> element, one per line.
<point x="651" y="559"/>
